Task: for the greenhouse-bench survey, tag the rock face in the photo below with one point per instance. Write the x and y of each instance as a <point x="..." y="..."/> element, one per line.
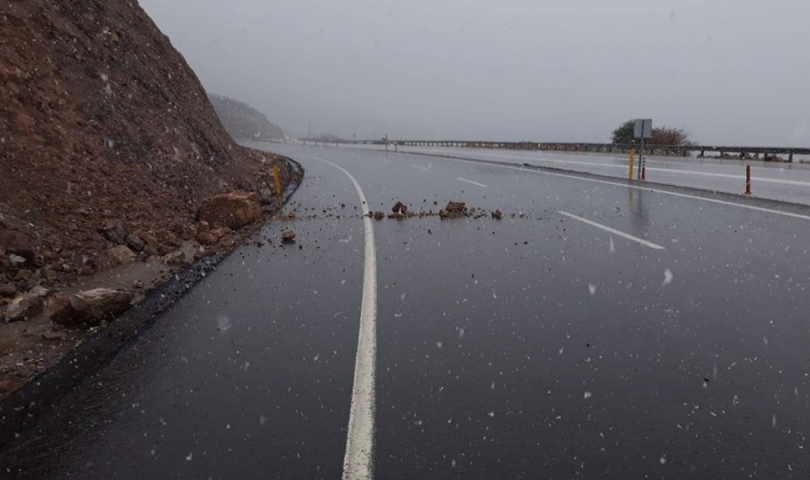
<point x="100" y="305"/>
<point x="27" y="305"/>
<point x="243" y="121"/>
<point x="234" y="210"/>
<point x="103" y="124"/>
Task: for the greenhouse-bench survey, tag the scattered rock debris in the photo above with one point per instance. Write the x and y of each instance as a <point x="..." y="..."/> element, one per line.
<point x="497" y="215"/>
<point x="378" y="215"/>
<point x="288" y="236"/>
<point x="400" y="207"/>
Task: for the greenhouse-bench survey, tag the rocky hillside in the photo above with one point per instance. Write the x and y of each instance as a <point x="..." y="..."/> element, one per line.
<point x="103" y="121"/>
<point x="111" y="156"/>
<point x="243" y="121"/>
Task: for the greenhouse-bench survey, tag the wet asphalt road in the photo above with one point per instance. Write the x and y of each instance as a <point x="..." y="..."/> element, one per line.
<point x="788" y="182"/>
<point x="533" y="347"/>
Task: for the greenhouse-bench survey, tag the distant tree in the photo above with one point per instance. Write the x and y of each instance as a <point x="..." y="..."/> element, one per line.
<point x="669" y="136"/>
<point x="624" y="134"/>
<point x="660" y="136"/>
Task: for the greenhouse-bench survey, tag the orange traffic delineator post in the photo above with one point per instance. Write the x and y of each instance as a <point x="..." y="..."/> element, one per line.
<point x="748" y="179"/>
<point x="632" y="159"/>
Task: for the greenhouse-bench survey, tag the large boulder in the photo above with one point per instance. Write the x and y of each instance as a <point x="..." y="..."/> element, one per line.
<point x="235" y="209"/>
<point x="17" y="244"/>
<point x="100" y="305"/>
<point x="27" y="305"/>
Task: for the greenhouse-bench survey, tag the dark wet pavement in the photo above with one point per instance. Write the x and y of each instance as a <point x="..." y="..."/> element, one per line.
<point x="534" y="347"/>
<point x="789" y="182"/>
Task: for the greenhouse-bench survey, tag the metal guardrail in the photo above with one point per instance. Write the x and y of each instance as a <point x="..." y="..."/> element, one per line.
<point x="768" y="153"/>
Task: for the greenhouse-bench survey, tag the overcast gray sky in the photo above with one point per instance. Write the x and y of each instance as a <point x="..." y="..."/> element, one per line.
<point x="728" y="71"/>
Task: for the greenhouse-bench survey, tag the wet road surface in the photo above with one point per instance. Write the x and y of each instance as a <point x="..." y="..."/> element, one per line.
<point x="788" y="182"/>
<point x="603" y="331"/>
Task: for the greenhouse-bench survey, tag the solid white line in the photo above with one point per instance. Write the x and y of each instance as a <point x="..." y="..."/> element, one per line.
<point x="624" y="185"/>
<point x="612" y="230"/>
<point x="358" y="461"/>
<point x="470" y="181"/>
<point x="420" y="167"/>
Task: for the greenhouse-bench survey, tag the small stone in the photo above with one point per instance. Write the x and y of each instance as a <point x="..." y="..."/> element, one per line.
<point x="378" y="215"/>
<point x="27" y="305"/>
<point x="177" y="257"/>
<point x="16" y="260"/>
<point x="288" y="236"/>
<point x="115" y="231"/>
<point x="60" y="310"/>
<point x="54" y="336"/>
<point x="7" y="290"/>
<point x="497" y="215"/>
<point x="211" y="237"/>
<point x="399" y="207"/>
<point x="23" y="275"/>
<point x="137" y="283"/>
<point x="135" y="242"/>
<point x="122" y="254"/>
<point x="454" y="207"/>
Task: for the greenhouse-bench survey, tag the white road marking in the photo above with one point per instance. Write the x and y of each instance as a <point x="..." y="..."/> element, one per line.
<point x="624" y="185"/>
<point x="470" y="181"/>
<point x="358" y="461"/>
<point x="612" y="230"/>
<point x="420" y="167"/>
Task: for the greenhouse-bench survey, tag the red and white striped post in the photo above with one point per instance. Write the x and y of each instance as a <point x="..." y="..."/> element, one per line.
<point x="748" y="179"/>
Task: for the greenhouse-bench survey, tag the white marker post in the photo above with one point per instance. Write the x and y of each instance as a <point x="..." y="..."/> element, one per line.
<point x="642" y="129"/>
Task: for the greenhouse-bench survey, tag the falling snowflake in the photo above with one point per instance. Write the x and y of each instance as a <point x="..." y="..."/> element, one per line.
<point x="667" y="277"/>
<point x="592" y="289"/>
<point x="587" y="395"/>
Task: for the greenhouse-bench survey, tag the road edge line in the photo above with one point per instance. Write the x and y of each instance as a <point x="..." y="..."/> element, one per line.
<point x="358" y="461"/>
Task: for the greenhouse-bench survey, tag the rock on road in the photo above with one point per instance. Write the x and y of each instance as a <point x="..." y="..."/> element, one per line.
<point x="602" y="331"/>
